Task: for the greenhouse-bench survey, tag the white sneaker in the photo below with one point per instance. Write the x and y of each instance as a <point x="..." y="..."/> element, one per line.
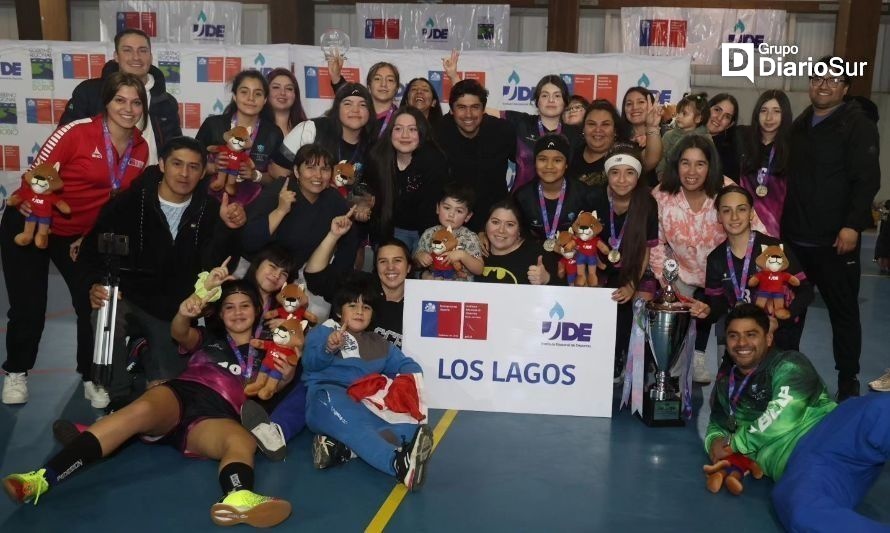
<point x="271" y="441"/>
<point x="882" y="384"/>
<point x="96" y="394"/>
<point x="15" y="388"/>
<point x="699" y="368"/>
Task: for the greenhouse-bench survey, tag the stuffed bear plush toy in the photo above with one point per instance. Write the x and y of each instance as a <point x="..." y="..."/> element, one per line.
<point x="729" y="472"/>
<point x="235" y="152"/>
<point x="586" y="230"/>
<point x="293" y="302"/>
<point x="287" y="341"/>
<point x="40" y="188"/>
<point x="771" y="280"/>
<point x="344" y="177"/>
<point x="444" y="241"/>
<point x="568" y="265"/>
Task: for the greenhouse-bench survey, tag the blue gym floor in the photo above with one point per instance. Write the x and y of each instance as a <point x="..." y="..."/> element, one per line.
<point x="490" y="472"/>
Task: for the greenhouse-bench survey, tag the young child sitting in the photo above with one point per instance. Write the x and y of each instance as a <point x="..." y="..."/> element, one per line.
<point x="341" y="361"/>
<point x="433" y="252"/>
<point x="692" y="113"/>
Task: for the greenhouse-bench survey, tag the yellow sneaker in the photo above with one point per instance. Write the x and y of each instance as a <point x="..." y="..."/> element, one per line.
<point x="22" y="488"/>
<point x="246" y="507"/>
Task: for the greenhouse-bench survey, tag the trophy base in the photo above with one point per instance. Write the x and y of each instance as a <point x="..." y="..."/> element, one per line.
<point x="662" y="413"/>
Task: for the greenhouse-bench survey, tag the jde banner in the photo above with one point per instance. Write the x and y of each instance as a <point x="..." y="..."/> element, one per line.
<point x="435" y="26"/>
<point x="479" y="352"/>
<point x="173" y="21"/>
<point x="675" y="31"/>
<point x="510" y="77"/>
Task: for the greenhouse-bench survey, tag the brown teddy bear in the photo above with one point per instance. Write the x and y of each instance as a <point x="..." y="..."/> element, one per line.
<point x="568" y="265"/>
<point x="40" y="189"/>
<point x="771" y="280"/>
<point x="344" y="177"/>
<point x="294" y="303"/>
<point x="236" y="151"/>
<point x="444" y="241"/>
<point x="287" y="342"/>
<point x="586" y="230"/>
<point x="729" y="472"/>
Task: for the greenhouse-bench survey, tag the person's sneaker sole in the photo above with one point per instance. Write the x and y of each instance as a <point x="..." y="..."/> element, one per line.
<point x="420" y="454"/>
<point x="252" y="415"/>
<point x="12" y="490"/>
<point x="266" y="514"/>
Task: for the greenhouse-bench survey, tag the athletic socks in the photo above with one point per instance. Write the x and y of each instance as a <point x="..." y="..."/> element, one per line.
<point x="236" y="476"/>
<point x="82" y="451"/>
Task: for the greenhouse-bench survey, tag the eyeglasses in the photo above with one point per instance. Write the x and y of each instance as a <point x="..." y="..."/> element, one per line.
<point x="833" y="83"/>
<point x="573" y="108"/>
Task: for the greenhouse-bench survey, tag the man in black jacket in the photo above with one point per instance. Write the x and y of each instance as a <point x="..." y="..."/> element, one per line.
<point x="834" y="174"/>
<point x="175" y="230"/>
<point x="132" y="54"/>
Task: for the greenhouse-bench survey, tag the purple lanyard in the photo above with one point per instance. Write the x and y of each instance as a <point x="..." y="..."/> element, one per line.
<point x="764" y="172"/>
<point x="614" y="242"/>
<point x="389" y="114"/>
<point x="734" y="398"/>
<point x="253" y="134"/>
<point x="246" y="370"/>
<point x="739" y="288"/>
<point x="116" y="177"/>
<point x="543" y="131"/>
<point x="550" y="229"/>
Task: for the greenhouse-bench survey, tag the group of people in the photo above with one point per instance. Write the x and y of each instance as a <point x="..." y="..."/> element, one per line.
<point x="429" y="193"/>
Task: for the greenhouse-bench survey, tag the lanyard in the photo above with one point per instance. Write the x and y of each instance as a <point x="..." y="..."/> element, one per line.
<point x="389" y="114"/>
<point x="253" y="134"/>
<point x="739" y="288"/>
<point x="734" y="398"/>
<point x="246" y="369"/>
<point x="615" y="242"/>
<point x="550" y="229"/>
<point x="115" y="176"/>
<point x="355" y="154"/>
<point x="543" y="131"/>
<point x="767" y="170"/>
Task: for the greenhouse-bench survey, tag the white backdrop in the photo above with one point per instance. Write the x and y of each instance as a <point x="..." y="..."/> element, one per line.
<point x="478" y="353"/>
<point x="172" y="21"/>
<point x="667" y="31"/>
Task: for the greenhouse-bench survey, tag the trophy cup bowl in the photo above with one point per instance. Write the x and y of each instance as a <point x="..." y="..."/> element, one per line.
<point x="334" y="43"/>
<point x="667" y="324"/>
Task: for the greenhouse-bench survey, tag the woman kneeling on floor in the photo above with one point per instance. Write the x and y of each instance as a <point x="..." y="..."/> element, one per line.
<point x="198" y="412"/>
<point x="364" y="393"/>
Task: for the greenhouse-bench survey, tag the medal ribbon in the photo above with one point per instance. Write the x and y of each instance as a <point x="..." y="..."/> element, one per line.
<point x="615" y="242"/>
<point x="115" y="177"/>
<point x="764" y="172"/>
<point x="739" y="288"/>
<point x="733" y="395"/>
<point x="543" y="131"/>
<point x="246" y="369"/>
<point x="389" y="114"/>
<point x="550" y="229"/>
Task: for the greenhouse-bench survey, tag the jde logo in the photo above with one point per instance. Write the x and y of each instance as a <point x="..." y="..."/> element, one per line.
<point x="559" y="330"/>
<point x="202" y="30"/>
<point x="513" y="92"/>
<point x="663" y="97"/>
<point x="739" y="35"/>
<point x="13" y="69"/>
<point x="429" y="31"/>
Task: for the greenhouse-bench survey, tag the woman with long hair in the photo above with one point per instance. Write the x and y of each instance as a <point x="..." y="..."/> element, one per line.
<point x="406" y="178"/>
<point x="602" y="126"/>
<point x="420" y="94"/>
<point x="722" y="126"/>
<point x="248" y="108"/>
<point x="764" y="160"/>
<point x="96" y="158"/>
<point x="641" y="116"/>
<point x="284" y="98"/>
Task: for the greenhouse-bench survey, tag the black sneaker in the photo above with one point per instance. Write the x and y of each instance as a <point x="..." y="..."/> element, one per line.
<point x="847" y="388"/>
<point x="268" y="435"/>
<point x="411" y="459"/>
<point x="327" y="452"/>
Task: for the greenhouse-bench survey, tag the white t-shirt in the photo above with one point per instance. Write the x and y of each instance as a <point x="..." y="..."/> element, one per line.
<point x="173" y="213"/>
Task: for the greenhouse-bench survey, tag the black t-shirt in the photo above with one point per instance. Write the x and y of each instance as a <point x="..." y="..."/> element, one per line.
<point x="612" y="271"/>
<point x="513" y="267"/>
<point x="267" y="142"/>
<point x="480" y="162"/>
<point x="528" y="131"/>
<point x="387" y="321"/>
<point x="579" y="197"/>
<point x="589" y="173"/>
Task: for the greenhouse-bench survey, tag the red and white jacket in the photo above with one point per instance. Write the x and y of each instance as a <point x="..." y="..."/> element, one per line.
<point x="79" y="148"/>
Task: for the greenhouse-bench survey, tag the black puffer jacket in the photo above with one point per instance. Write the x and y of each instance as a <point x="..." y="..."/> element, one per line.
<point x="86" y="102"/>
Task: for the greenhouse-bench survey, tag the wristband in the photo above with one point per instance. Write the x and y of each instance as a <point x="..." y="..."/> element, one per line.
<point x="201" y="291"/>
<point x="652" y="132"/>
